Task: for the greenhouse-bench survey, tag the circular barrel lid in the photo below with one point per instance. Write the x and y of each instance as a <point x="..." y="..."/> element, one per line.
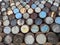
<point x="5" y="17"/>
<point x="57" y="20"/>
<point x="49" y="20"/>
<point x="38" y="21"/>
<point x="40" y="38"/>
<point x="11" y="17"/>
<point x="7" y="30"/>
<point x="29" y="21"/>
<point x="29" y="38"/>
<point x="25" y="15"/>
<point x="8" y="39"/>
<point x="41" y="6"/>
<point x="20" y="22"/>
<point x="46" y="9"/>
<point x="24" y="28"/>
<point x="6" y="22"/>
<point x="34" y="15"/>
<point x="23" y="10"/>
<point x="15" y="10"/>
<point x="42" y="14"/>
<point x="30" y="11"/>
<point x="54" y="8"/>
<point x="15" y="30"/>
<point x="18" y="39"/>
<point x="34" y="28"/>
<point x="52" y="38"/>
<point x="13" y="22"/>
<point x="55" y="28"/>
<point x="18" y="15"/>
<point x="44" y="28"/>
<point x="33" y="6"/>
<point x="48" y="4"/>
<point x="27" y="6"/>
<point x="37" y="9"/>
